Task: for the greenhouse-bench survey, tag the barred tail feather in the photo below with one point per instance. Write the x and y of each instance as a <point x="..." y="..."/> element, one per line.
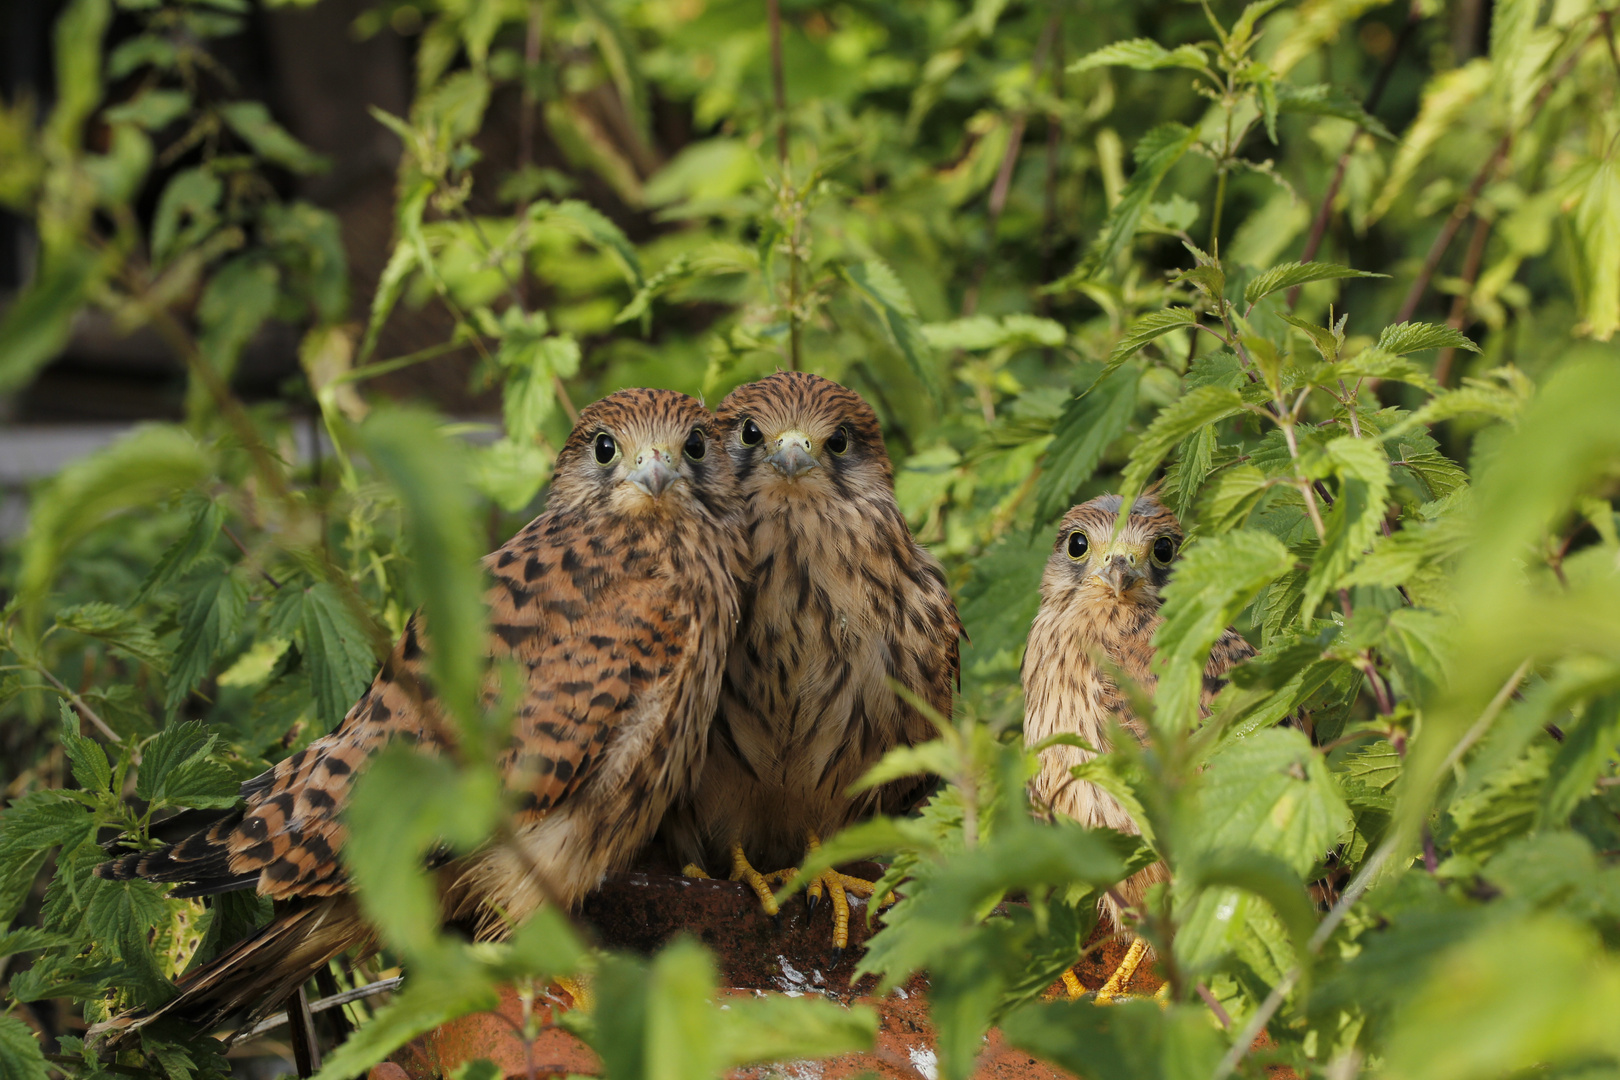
<point x="254" y="977"/>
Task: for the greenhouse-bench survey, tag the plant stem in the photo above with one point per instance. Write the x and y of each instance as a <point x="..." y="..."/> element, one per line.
<point x="1324" y="212"/>
<point x="1465" y="206"/>
<point x="1363" y="880"/>
<point x="1054" y="140"/>
<point x="79" y="705"/>
<point x="778" y="82"/>
<point x="1009" y="164"/>
<point x="531" y="64"/>
<point x="1459" y="306"/>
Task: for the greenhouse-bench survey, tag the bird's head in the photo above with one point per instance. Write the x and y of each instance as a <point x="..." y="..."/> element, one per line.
<point x="644" y="453"/>
<point x="799" y="436"/>
<point x="1100" y="567"/>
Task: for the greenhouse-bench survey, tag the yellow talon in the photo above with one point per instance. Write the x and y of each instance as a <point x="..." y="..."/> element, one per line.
<point x="580" y="990"/>
<point x="692" y="869"/>
<point x="1071" y="985"/>
<point x="1121" y="978"/>
<point x="742" y="870"/>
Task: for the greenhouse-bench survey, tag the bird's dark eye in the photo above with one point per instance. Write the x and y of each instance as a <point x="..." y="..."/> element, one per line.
<point x="1078" y="545"/>
<point x="1164" y="549"/>
<point x="605" y="448"/>
<point x="695" y="445"/>
<point x="751" y="435"/>
<point x="839" y="443"/>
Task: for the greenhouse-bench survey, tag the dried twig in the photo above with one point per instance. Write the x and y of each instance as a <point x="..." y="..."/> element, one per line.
<point x="1459" y="307"/>
<point x="270" y="1023"/>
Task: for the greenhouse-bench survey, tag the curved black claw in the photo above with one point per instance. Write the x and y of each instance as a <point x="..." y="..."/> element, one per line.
<point x="812" y="901"/>
<point x="776" y="923"/>
<point x="837" y="957"/>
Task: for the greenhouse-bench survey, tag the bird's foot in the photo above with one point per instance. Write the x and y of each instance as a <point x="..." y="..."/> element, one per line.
<point x="580" y="988"/>
<point x="838" y="885"/>
<point x="742" y="870"/>
<point x="1114" y="988"/>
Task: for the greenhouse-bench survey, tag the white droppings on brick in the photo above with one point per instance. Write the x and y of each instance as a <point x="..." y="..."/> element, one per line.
<point x="924" y="1061"/>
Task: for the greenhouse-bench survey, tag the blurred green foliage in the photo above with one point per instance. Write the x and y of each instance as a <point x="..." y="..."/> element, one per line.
<point x="1360" y="346"/>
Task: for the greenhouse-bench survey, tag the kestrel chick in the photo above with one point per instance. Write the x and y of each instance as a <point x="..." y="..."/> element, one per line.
<point x="843" y="600"/>
<point x="1100" y="599"/>
<point x="615" y="606"/>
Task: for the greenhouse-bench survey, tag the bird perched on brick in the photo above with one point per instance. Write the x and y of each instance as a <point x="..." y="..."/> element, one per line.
<point x="615" y="607"/>
<point x="843" y="600"/>
<point x="1100" y="599"/>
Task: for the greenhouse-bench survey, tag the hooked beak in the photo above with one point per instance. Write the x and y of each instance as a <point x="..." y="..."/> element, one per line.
<point x="792" y="455"/>
<point x="654" y="472"/>
<point x="1120" y="572"/>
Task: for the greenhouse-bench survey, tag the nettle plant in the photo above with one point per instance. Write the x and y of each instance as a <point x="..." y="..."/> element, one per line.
<point x="1392" y="838"/>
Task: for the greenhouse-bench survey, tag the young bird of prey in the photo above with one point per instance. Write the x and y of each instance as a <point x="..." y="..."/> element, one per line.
<point x="615" y="607"/>
<point x="843" y="601"/>
<point x="1100" y="606"/>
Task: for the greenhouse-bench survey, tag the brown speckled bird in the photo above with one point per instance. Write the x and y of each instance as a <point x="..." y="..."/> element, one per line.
<point x="1100" y="603"/>
<point x="843" y="600"/>
<point x="616" y="605"/>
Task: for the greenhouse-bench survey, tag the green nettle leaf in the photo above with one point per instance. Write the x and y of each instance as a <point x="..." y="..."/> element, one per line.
<point x="589" y="224"/>
<point x="1230" y="498"/>
<point x="1214" y="581"/>
<point x="533" y="364"/>
<point x="1128" y="1040"/>
<point x="213" y="601"/>
<point x="251" y="120"/>
<point x="1153" y="325"/>
<point x="1088" y="427"/>
<point x="1322" y="99"/>
<point x="89" y="761"/>
<point x="199" y="538"/>
<point x="405" y="805"/>
<point x="1271" y="792"/>
<point x="336" y="650"/>
<point x="429" y="473"/>
<point x="238" y="300"/>
<point x="1156" y="154"/>
<point x="178" y="768"/>
<point x="1288" y="275"/>
<point x="1001" y="595"/>
<point x="1375" y="363"/>
<point x="119" y="917"/>
<point x="423" y="1005"/>
<point x="1597" y="220"/>
<point x="1584" y="755"/>
<point x="1415" y="643"/>
<point x="21" y="1057"/>
<point x="1350" y="526"/>
<point x="152" y="109"/>
<point x="29" y="828"/>
<point x="981" y="332"/>
<point x="1223" y="873"/>
<point x="877" y="285"/>
<point x="1193" y="410"/>
<point x="1501" y="1017"/>
<point x="185" y="212"/>
<point x="118" y="628"/>
<point x="1410" y="337"/>
<point x="1142" y="54"/>
<point x="1447" y="97"/>
<point x="774" y="1029"/>
<point x="37" y="323"/>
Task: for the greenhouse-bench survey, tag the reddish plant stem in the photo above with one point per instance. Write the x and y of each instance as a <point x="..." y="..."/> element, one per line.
<point x="1459" y="306"/>
<point x="1002" y="186"/>
<point x="1324" y="212"/>
<point x="1460" y="212"/>
<point x="1054" y="141"/>
<point x="778" y="81"/>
